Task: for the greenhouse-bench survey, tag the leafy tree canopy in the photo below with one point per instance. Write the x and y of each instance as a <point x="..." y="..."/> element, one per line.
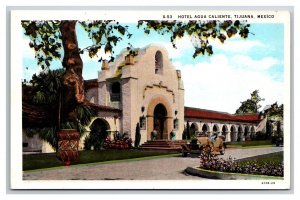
<point x="46" y="39"/>
<point x="251" y="105"/>
<point x="55" y="39"/>
<point x="201" y="31"/>
<point x="275" y="112"/>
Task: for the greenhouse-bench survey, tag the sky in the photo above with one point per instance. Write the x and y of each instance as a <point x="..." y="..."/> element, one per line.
<point x="217" y="82"/>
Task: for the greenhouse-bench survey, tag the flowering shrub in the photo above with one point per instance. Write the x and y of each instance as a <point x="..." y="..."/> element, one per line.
<point x="124" y="143"/>
<point x="210" y="161"/>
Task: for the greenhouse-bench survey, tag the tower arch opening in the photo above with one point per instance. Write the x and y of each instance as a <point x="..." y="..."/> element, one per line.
<point x="158" y="63"/>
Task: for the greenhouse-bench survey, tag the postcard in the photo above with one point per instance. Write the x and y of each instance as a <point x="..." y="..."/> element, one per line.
<point x="150" y="99"/>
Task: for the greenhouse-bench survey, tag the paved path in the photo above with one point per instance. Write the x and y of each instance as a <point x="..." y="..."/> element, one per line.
<point x="152" y="169"/>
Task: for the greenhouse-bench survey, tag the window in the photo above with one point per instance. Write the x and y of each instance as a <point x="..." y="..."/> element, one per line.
<point x="115" y="91"/>
<point x="158" y="63"/>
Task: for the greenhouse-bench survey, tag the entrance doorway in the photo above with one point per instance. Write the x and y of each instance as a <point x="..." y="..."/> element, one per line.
<point x="160" y="114"/>
<point x="98" y="134"/>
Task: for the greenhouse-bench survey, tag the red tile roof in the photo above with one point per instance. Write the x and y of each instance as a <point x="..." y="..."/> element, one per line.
<point x="199" y="113"/>
<point x="91" y="83"/>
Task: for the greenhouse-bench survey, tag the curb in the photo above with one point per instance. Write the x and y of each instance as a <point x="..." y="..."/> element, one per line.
<point x="195" y="171"/>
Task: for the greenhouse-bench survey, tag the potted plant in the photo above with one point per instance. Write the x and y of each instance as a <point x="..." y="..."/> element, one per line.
<point x="153" y="135"/>
<point x="172" y="135"/>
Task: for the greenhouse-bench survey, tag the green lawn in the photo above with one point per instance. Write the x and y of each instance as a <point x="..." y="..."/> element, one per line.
<point x="251" y="144"/>
<point x="48" y="160"/>
<point x="274" y="158"/>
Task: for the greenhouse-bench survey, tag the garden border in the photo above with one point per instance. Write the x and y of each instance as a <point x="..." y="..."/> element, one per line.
<point x="196" y="171"/>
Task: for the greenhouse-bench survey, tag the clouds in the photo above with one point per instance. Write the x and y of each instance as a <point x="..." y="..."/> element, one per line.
<point x="237" y="68"/>
<point x="237" y="45"/>
<point x="219" y="82"/>
<point x="182" y="45"/>
<point x="219" y="85"/>
<point x="246" y="62"/>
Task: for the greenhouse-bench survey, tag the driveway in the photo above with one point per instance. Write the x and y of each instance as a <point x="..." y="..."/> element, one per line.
<point x="153" y="169"/>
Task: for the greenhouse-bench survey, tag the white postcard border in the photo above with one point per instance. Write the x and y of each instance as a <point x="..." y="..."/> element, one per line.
<point x="17" y="181"/>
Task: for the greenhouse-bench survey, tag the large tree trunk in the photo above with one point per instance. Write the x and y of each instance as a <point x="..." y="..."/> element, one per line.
<point x="73" y="88"/>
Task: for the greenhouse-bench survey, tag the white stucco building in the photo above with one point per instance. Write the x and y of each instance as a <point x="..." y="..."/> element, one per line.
<point x="147" y="89"/>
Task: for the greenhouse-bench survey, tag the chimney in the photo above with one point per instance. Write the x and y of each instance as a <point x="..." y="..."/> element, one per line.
<point x="129" y="60"/>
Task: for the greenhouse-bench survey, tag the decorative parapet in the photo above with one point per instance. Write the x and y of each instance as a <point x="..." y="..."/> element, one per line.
<point x="160" y="85"/>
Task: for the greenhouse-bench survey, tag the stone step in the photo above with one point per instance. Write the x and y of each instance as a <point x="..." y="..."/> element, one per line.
<point x="162" y="149"/>
<point x="163" y="145"/>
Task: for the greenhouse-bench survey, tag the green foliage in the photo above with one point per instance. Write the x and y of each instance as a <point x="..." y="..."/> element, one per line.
<point x="188" y="131"/>
<point x="274" y="112"/>
<point x="45" y="39"/>
<point x="250" y="105"/>
<point x="45" y="36"/>
<point x="84" y="114"/>
<point x="104" y="34"/>
<point x="137" y="135"/>
<point x="184" y="135"/>
<point x="46" y="87"/>
<point x="200" y="31"/>
<point x="253" y="143"/>
<point x="46" y="133"/>
<point x="96" y="137"/>
<point x="275" y="158"/>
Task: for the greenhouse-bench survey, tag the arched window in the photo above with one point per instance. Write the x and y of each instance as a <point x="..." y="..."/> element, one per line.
<point x="158" y="63"/>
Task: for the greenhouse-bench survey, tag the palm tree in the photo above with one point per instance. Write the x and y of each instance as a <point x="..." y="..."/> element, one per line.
<point x="43" y="92"/>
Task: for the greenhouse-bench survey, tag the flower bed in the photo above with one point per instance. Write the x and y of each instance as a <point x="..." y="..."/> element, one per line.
<point x="125" y="143"/>
<point x="204" y="173"/>
<point x="211" y="162"/>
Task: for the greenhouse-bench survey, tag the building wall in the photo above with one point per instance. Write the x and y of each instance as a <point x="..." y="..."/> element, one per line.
<point x="35" y="144"/>
<point x="92" y="95"/>
<point x="140" y="85"/>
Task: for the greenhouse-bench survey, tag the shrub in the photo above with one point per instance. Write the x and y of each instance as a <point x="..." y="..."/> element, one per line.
<point x="210" y="161"/>
<point x="123" y="143"/>
<point x="137" y="135"/>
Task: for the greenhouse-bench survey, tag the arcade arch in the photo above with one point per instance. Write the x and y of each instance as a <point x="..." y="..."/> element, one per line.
<point x="194" y="128"/>
<point x="233" y="133"/>
<point x="205" y="129"/>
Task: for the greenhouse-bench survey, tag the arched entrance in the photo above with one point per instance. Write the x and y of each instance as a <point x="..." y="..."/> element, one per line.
<point x="159" y="118"/>
<point x="160" y="114"/>
<point x="97" y="135"/>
